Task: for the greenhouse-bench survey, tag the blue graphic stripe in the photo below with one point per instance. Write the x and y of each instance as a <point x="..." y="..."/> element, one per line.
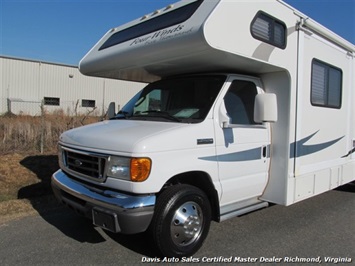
<point x="255" y="153"/>
<point x="240" y="156"/>
<point x="303" y="150"/>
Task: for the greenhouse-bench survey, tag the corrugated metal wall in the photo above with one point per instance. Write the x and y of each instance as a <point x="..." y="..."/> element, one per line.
<point x="25" y="83"/>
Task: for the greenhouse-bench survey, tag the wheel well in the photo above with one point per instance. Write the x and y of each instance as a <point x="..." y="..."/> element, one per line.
<point x="202" y="181"/>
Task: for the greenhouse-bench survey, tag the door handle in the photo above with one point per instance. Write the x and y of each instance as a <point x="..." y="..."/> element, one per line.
<point x="264" y="151"/>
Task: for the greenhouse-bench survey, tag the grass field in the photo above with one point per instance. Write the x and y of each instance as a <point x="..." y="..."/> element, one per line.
<point x="25" y="172"/>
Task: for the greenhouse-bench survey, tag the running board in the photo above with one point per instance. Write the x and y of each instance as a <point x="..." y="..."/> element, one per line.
<point x="244" y="210"/>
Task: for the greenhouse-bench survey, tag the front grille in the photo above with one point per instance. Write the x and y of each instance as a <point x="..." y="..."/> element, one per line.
<point x="85" y="164"/>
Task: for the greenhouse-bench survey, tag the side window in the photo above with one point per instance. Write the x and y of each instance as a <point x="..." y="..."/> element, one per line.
<point x="87" y="103"/>
<point x="51" y="101"/>
<point x="269" y="29"/>
<point x="239" y="102"/>
<point x="326" y="84"/>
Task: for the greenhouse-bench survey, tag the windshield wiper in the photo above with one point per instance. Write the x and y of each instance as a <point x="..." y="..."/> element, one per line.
<point x="158" y="114"/>
<point x="123" y="114"/>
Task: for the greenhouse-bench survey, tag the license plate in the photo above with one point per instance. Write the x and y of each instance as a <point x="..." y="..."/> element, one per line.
<point x="105" y="220"/>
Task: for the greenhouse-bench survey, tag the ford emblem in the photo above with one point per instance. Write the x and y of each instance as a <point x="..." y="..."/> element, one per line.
<point x="78" y="162"/>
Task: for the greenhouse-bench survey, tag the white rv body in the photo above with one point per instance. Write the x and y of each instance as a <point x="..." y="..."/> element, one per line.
<point x="305" y="148"/>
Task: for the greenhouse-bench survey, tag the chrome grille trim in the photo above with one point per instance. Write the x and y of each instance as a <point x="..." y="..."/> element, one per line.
<point x="83" y="164"/>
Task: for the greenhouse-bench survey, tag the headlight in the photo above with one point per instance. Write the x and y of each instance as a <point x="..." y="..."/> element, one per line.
<point x="61" y="157"/>
<point x="118" y="167"/>
<point x="133" y="169"/>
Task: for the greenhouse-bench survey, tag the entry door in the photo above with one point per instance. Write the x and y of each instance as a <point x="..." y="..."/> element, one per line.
<point x="243" y="148"/>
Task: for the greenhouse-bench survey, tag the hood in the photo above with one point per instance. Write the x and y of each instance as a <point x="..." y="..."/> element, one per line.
<point x="128" y="136"/>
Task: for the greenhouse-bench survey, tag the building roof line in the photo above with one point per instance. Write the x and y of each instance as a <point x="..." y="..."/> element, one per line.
<point x="36" y="61"/>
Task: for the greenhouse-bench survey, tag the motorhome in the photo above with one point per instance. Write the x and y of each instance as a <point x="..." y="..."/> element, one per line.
<point x="247" y="103"/>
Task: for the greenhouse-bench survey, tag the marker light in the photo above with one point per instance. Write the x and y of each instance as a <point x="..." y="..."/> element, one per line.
<point x="156" y="12"/>
<point x="140" y="169"/>
<point x="169" y="7"/>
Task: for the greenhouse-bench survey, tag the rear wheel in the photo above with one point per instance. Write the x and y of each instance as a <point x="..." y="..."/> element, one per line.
<point x="181" y="221"/>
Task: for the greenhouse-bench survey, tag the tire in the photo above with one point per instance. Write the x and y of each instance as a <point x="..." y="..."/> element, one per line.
<point x="181" y="221"/>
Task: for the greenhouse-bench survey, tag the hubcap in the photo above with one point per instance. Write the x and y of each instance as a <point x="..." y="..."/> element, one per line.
<point x="186" y="224"/>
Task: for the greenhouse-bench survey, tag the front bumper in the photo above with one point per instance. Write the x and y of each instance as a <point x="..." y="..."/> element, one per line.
<point x="114" y="211"/>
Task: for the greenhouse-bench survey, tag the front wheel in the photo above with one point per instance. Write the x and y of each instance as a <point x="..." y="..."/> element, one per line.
<point x="181" y="221"/>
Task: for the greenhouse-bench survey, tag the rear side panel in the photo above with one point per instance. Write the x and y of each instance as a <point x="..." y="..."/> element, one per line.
<point x="323" y="121"/>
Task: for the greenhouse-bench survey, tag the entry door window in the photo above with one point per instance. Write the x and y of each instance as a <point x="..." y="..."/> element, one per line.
<point x="239" y="102"/>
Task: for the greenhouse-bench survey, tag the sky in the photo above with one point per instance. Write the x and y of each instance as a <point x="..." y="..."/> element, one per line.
<point x="63" y="31"/>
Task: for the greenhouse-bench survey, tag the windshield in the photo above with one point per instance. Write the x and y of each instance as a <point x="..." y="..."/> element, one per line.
<point x="186" y="100"/>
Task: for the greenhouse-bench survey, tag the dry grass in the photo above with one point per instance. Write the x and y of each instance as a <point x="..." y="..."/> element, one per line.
<point x="32" y="134"/>
<point x="25" y="183"/>
<point x="24" y="172"/>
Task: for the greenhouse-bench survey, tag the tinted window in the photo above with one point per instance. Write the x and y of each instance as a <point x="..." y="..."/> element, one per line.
<point x="269" y="29"/>
<point x="186" y="100"/>
<point x="87" y="103"/>
<point x="51" y="101"/>
<point x="239" y="102"/>
<point x="326" y="85"/>
<point x="163" y="21"/>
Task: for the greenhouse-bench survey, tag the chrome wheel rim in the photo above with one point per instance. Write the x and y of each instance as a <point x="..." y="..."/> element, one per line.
<point x="186" y="224"/>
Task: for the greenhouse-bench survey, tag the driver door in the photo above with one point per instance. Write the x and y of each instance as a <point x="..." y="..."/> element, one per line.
<point x="242" y="147"/>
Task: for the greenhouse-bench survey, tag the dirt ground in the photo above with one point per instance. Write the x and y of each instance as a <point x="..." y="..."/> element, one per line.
<point x="25" y="184"/>
<point x="24" y="173"/>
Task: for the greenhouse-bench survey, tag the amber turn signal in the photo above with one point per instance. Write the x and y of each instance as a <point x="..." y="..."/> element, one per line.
<point x="140" y="169"/>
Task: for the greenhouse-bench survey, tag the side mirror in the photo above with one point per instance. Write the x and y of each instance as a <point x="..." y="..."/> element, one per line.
<point x="111" y="111"/>
<point x="265" y="108"/>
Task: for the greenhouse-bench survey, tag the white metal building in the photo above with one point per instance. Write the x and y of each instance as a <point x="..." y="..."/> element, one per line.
<point x="25" y="84"/>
